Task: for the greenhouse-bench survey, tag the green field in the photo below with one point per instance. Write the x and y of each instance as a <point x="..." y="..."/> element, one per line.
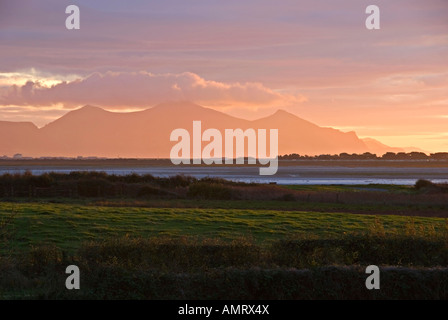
<point x="140" y="237"/>
<point x="68" y="225"/>
<point x="141" y="252"/>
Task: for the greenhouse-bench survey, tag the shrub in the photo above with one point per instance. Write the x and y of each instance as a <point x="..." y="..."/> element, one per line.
<point x="42" y="258"/>
<point x="422" y="183"/>
<point x="94" y="187"/>
<point x="208" y="191"/>
<point x="287" y="197"/>
<point x="150" y="191"/>
<point x="193" y="268"/>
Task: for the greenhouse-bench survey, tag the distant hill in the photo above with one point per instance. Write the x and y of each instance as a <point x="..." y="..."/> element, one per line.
<point x="380" y="148"/>
<point x="92" y="131"/>
<point x="18" y="137"/>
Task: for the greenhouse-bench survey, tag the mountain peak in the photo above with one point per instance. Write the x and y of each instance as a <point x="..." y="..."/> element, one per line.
<point x="85" y="112"/>
<point x="89" y="108"/>
<point x="283" y="116"/>
<point x="178" y="105"/>
<point x="283" y="113"/>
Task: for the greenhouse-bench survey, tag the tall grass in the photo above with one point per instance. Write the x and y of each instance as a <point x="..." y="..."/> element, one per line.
<point x="92" y="184"/>
<point x="191" y="268"/>
<point x="411" y="247"/>
<point x="413" y="263"/>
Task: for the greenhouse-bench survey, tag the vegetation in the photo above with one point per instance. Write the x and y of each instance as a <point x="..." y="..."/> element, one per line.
<point x="428" y="186"/>
<point x="100" y="184"/>
<point x="401" y="156"/>
<point x="99" y="188"/>
<point x="141" y="237"/>
<point x="68" y="225"/>
<point x="188" y="268"/>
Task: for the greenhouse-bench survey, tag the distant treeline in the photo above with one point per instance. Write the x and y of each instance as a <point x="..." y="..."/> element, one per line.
<point x="88" y="161"/>
<point x="370" y="156"/>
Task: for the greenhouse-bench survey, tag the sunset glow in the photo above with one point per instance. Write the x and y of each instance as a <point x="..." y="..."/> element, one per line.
<point x="313" y="59"/>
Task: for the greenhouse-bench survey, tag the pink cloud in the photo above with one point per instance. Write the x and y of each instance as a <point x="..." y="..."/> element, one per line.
<point x="142" y="89"/>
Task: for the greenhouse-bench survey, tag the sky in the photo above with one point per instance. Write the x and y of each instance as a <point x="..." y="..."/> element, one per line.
<point x="315" y="59"/>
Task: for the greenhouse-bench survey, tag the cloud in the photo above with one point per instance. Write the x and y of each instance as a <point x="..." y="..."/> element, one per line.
<point x="21" y="77"/>
<point x="142" y="89"/>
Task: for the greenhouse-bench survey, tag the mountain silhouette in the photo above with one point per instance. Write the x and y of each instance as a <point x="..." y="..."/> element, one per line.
<point x="17" y="137"/>
<point x="92" y="131"/>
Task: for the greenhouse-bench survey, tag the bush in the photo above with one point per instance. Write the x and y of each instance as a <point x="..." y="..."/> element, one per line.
<point x="176" y="181"/>
<point x="191" y="268"/>
<point x="421" y="183"/>
<point x="148" y="191"/>
<point x="94" y="188"/>
<point x="170" y="254"/>
<point x="208" y="191"/>
<point x="287" y="197"/>
<point x="42" y="258"/>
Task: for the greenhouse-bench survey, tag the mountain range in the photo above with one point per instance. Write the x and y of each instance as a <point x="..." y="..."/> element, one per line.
<point x="92" y="131"/>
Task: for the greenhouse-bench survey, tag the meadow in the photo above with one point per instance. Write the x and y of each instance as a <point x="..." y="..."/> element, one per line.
<point x="69" y="225"/>
<point x="140" y="237"/>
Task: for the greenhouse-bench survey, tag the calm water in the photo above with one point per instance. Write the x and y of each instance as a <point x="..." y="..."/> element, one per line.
<point x="322" y="175"/>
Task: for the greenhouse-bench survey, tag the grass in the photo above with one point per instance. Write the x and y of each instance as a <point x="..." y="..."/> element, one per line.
<point x="192" y="268"/>
<point x="378" y="207"/>
<point x="129" y="252"/>
<point x="353" y="188"/>
<point x="382" y="208"/>
<point x="68" y="225"/>
<point x="179" y="238"/>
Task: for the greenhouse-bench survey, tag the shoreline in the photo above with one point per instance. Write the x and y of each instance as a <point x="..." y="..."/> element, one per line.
<point x="167" y="162"/>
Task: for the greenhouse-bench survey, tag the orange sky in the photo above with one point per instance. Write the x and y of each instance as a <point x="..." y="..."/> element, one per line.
<point x="249" y="58"/>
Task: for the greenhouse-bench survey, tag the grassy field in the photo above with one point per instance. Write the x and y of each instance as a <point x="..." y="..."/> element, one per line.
<point x="128" y="252"/>
<point x="68" y="225"/>
<point x="180" y="238"/>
